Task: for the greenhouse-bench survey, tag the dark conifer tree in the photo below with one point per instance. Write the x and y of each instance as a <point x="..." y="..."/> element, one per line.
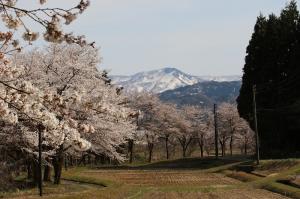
<point x="272" y="64"/>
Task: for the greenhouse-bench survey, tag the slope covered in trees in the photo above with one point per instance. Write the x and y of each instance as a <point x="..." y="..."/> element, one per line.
<point x="203" y="94"/>
<point x="272" y="64"/>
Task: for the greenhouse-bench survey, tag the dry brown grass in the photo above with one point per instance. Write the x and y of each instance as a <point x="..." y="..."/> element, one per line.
<point x="151" y="184"/>
<point x="221" y="194"/>
<point x="161" y="178"/>
<point x="164" y="184"/>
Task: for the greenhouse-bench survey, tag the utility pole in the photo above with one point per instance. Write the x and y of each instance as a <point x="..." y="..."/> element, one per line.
<point x="255" y="126"/>
<point x="40" y="130"/>
<point x="216" y="132"/>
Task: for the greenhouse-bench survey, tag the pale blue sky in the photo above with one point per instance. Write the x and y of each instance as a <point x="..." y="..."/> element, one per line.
<point x="200" y="37"/>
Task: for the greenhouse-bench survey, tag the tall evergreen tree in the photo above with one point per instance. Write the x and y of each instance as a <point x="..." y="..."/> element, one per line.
<point x="272" y="64"/>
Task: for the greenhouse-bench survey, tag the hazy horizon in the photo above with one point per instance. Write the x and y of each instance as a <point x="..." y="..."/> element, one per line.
<point x="154" y="69"/>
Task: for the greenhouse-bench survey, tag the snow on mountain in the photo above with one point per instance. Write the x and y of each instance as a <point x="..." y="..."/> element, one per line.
<point x="158" y="81"/>
<point x="229" y="78"/>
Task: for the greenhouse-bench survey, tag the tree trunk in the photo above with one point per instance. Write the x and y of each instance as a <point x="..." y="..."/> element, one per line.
<point x="89" y="159"/>
<point x="71" y="161"/>
<point x="184" y="144"/>
<point x="231" y="145"/>
<point x="167" y="146"/>
<point x="102" y="159"/>
<point x="96" y="160"/>
<point x="66" y="162"/>
<point x="208" y="153"/>
<point x="150" y="148"/>
<point x="83" y="160"/>
<point x="222" y="148"/>
<point x="47" y="173"/>
<point x="35" y="172"/>
<point x="130" y="150"/>
<point x="246" y="149"/>
<point x="58" y="162"/>
<point x="29" y="170"/>
<point x="201" y="145"/>
<point x="184" y="151"/>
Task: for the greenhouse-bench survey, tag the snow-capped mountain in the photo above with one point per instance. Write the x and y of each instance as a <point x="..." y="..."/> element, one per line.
<point x="158" y="81"/>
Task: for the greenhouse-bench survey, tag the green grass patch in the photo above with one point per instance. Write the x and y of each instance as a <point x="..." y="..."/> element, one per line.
<point x="242" y="176"/>
<point x="78" y="175"/>
<point x="283" y="189"/>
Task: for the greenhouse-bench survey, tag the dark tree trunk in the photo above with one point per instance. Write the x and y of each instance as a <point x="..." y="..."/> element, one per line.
<point x="246" y="149"/>
<point x="71" y="161"/>
<point x="184" y="152"/>
<point x="47" y="173"/>
<point x="35" y="172"/>
<point x="130" y="150"/>
<point x="201" y="145"/>
<point x="29" y="170"/>
<point x="222" y="143"/>
<point x="89" y="159"/>
<point x="96" y="160"/>
<point x="58" y="162"/>
<point x="184" y="144"/>
<point x="102" y="159"/>
<point x="82" y="160"/>
<point x="167" y="146"/>
<point x="150" y="149"/>
<point x="66" y="162"/>
<point x="231" y="145"/>
<point x="76" y="161"/>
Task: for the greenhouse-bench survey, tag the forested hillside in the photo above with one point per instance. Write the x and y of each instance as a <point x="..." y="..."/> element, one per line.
<point x="203" y="94"/>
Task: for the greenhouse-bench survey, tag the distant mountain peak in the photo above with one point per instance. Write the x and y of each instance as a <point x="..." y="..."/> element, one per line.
<point x="170" y="70"/>
<point x="160" y="80"/>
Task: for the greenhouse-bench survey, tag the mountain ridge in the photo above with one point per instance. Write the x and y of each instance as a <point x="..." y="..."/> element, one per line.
<point x="203" y="93"/>
<point x="160" y="80"/>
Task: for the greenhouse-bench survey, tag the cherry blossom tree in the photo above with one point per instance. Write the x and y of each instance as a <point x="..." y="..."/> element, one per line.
<point x="228" y="118"/>
<point x="245" y="136"/>
<point x="232" y="128"/>
<point x="184" y="121"/>
<point x="204" y="129"/>
<point x="49" y="19"/>
<point x="91" y="103"/>
<point x="25" y="108"/>
<point x="198" y="127"/>
<point x="149" y="125"/>
<point x="165" y="115"/>
<point x="59" y="92"/>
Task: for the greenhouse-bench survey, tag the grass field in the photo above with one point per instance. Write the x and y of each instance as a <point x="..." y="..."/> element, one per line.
<point x="157" y="182"/>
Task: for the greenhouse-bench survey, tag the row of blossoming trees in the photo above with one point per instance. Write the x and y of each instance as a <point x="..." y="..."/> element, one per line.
<point x="188" y="126"/>
<point x="57" y="91"/>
